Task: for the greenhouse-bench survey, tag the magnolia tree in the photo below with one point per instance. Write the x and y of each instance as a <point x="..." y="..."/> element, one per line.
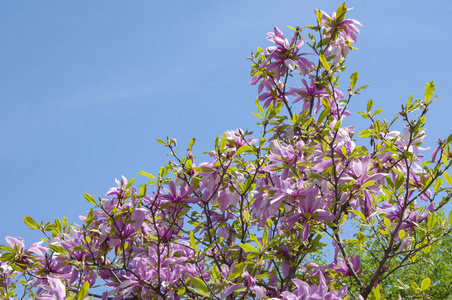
<point x="254" y="220"/>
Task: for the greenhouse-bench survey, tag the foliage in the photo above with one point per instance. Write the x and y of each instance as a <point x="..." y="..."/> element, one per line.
<point x="433" y="263"/>
<point x="251" y="222"/>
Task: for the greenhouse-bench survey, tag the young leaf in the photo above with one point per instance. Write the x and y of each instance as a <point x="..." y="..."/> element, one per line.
<point x="254" y="239"/>
<point x="238" y="270"/>
<point x="319" y="16"/>
<point x="409" y="101"/>
<point x="425" y="284"/>
<point x="429" y="90"/>
<point x="369" y="105"/>
<point x="364" y="133"/>
<point x="340" y="13"/>
<point x="199" y="286"/>
<point x="361" y="88"/>
<point x="89" y="198"/>
<point x="387" y="222"/>
<point x="448" y="178"/>
<point x="31" y="223"/>
<point x="83" y="291"/>
<point x="89" y="218"/>
<point x="216" y="274"/>
<point x="244" y="148"/>
<point x="324" y="114"/>
<point x="377" y="112"/>
<point x="193" y="242"/>
<point x="161" y="142"/>
<point x="248" y="248"/>
<point x="148" y="175"/>
<point x="418" y="104"/>
<point x="353" y="80"/>
<point x="324" y="62"/>
<point x="377" y="292"/>
<point x="190" y="144"/>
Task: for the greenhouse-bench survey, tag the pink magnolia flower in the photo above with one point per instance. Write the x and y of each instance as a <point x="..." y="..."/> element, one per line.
<point x="339" y="49"/>
<point x="285" y="55"/>
<point x="181" y="196"/>
<point x="315" y="292"/>
<point x="308" y="94"/>
<point x="345" y="27"/>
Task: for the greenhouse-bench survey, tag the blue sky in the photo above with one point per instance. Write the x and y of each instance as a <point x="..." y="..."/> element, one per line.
<point x="87" y="86"/>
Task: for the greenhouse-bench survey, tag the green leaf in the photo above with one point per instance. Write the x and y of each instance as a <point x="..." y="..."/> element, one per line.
<point x="387" y="222"/>
<point x="369" y="105"/>
<point x="83" y="291"/>
<point x="89" y="218"/>
<point x="449" y="139"/>
<point x="89" y="198"/>
<point x="418" y="104"/>
<point x="216" y="274"/>
<point x="324" y="62"/>
<point x="248" y="248"/>
<point x="429" y="90"/>
<point x="377" y="112"/>
<point x="247" y="215"/>
<point x="238" y="270"/>
<point x="438" y="184"/>
<point x="409" y="101"/>
<point x="58" y="224"/>
<point x="217" y="140"/>
<point x="244" y="148"/>
<point x="148" y="175"/>
<point x="58" y="249"/>
<point x="323" y="42"/>
<point x="319" y="16"/>
<point x="264" y="237"/>
<point x="414" y="286"/>
<point x="191" y="143"/>
<point x="340" y="13"/>
<point x="130" y="182"/>
<point x="431" y="221"/>
<point x="361" y="238"/>
<point x="199" y="286"/>
<point x="223" y="144"/>
<point x="402" y="233"/>
<point x="361" y="88"/>
<point x="193" y="242"/>
<point x="353" y="79"/>
<point x="368" y="183"/>
<point x="143" y="189"/>
<point x="434" y="98"/>
<point x="324" y="114"/>
<point x="31" y="223"/>
<point x="364" y="133"/>
<point x="425" y="284"/>
<point x="358" y="213"/>
<point x="448" y="178"/>
<point x="377" y="292"/>
<point x="254" y="239"/>
<point x="7" y="249"/>
<point x="399" y="181"/>
<point x="161" y="142"/>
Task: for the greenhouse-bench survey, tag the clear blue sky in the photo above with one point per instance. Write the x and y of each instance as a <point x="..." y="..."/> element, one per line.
<point x="87" y="86"/>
